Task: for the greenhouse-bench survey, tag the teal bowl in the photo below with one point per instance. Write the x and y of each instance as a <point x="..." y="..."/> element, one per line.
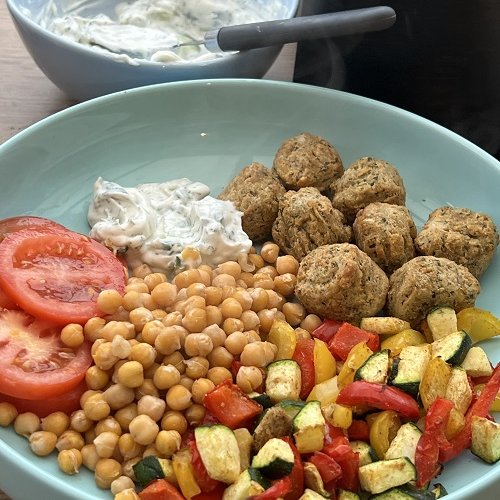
<point x="207" y="131"/>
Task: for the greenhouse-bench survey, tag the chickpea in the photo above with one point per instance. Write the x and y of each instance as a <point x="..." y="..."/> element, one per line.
<point x="200" y="387"/>
<point x="132" y="300"/>
<point x="173" y="318"/>
<point x="120" y="347"/>
<point x="166" y="376"/>
<point x="126" y="494"/>
<point x="106" y="471"/>
<point x="174" y="421"/>
<point x="254" y="354"/>
<point x="235" y="343"/>
<point x="56" y="422"/>
<point x="143" y="429"/>
<point x="69" y="440"/>
<point x="216" y="334"/>
<point x="89" y="456"/>
<point x="263" y="280"/>
<point x="105" y="444"/>
<point x="26" y="424"/>
<point x="139" y="317"/>
<point x="294" y="313"/>
<point x="260" y="299"/>
<point x="302" y="334"/>
<point x="168" y="340"/>
<point x="96" y="378"/>
<point x="267" y="317"/>
<point x="175" y="359"/>
<point x="195" y="320"/>
<point x="221" y="280"/>
<point x="143" y="353"/>
<point x="250" y="320"/>
<point x="125" y="415"/>
<point x="141" y="271"/>
<point x="186" y="278"/>
<point x="131" y="374"/>
<point x="123" y="483"/>
<point x="196" y="367"/>
<point x="147" y="388"/>
<point x="108" y="301"/>
<point x="186" y="382"/>
<point x="276" y="300"/>
<point x="214" y="316"/>
<point x="168" y="442"/>
<point x="249" y="378"/>
<point x="154" y="279"/>
<point x="151" y="406"/>
<point x="231" y="308"/>
<point x="128" y="467"/>
<point x="270" y="252"/>
<point x="256" y="260"/>
<point x="117" y="396"/>
<point x="287" y="264"/>
<point x="218" y="374"/>
<point x="92" y="328"/>
<point x="89" y="436"/>
<point x="195" y="414"/>
<point x="198" y="344"/>
<point x="178" y="398"/>
<point x="220" y="356"/>
<point x="72" y="335"/>
<point x="232" y="325"/>
<point x="285" y="284"/>
<point x="310" y="322"/>
<point x="8" y="414"/>
<point x="79" y="421"/>
<point x="247" y="278"/>
<point x="70" y="461"/>
<point x="196" y="289"/>
<point x="128" y="447"/>
<point x="158" y="314"/>
<point x="213" y="295"/>
<point x="103" y="356"/>
<point x="252" y="336"/>
<point x="138" y="286"/>
<point x="108" y="424"/>
<point x="42" y="443"/>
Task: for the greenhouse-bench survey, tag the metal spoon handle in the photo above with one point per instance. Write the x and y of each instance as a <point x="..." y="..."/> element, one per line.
<point x="265" y="34"/>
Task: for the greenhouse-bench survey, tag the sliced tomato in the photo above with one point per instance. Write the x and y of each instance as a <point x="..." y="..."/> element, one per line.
<point x="67" y="402"/>
<point x="34" y="363"/>
<point x="6" y="302"/>
<point x="57" y="276"/>
<point x="21" y="222"/>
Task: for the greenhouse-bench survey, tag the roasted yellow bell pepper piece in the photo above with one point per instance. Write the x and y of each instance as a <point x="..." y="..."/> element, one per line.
<point x="478" y="323"/>
<point x="338" y="415"/>
<point x="326" y="392"/>
<point x="184" y="473"/>
<point x="325" y="366"/>
<point x="283" y="336"/>
<point x="356" y="357"/>
<point x="456" y="422"/>
<point x="383" y="429"/>
<point x="434" y="381"/>
<point x="396" y="343"/>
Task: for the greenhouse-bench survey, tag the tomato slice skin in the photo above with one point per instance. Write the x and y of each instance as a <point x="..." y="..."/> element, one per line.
<point x="34" y="363"/>
<point x="22" y="222"/>
<point x="57" y="276"/>
<point x="67" y="402"/>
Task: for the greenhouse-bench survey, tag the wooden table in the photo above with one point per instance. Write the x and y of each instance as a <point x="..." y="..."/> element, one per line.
<point x="27" y="95"/>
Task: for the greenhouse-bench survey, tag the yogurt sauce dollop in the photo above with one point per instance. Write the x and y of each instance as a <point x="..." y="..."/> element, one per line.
<point x="145" y="29"/>
<point x="153" y="223"/>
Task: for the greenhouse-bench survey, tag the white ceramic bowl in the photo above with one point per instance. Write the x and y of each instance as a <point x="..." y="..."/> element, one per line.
<point x="83" y="73"/>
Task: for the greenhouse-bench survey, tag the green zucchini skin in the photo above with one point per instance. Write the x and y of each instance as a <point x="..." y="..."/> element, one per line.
<point x="275" y="459"/>
<point x="375" y="368"/>
<point x="263" y="399"/>
<point x="453" y="348"/>
<point x="148" y="469"/>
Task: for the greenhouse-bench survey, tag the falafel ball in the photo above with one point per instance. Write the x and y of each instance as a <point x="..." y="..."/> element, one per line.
<point x="341" y="282"/>
<point x="385" y="232"/>
<point x="255" y="192"/>
<point x="367" y="180"/>
<point x="459" y="234"/>
<point x="307" y="220"/>
<point x="426" y="282"/>
<point x="307" y="160"/>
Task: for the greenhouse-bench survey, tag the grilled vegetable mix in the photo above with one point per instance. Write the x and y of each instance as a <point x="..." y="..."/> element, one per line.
<point x="217" y="385"/>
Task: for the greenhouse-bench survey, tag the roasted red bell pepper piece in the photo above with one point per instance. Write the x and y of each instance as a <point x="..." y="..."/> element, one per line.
<point x="328" y="468"/>
<point x="327" y="330"/>
<point x="381" y="396"/>
<point x="297" y="474"/>
<point x="160" y="489"/>
<point x="427" y="452"/>
<point x="304" y="356"/>
<point x="348" y="336"/>
<point x="348" y="459"/>
<point x="230" y="406"/>
<point x="480" y="408"/>
<point x="279" y="489"/>
<point x="359" y="430"/>
<point x="205" y="482"/>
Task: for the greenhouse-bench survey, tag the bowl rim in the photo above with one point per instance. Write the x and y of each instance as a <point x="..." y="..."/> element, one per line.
<point x="484" y="481"/>
<point x="18" y="16"/>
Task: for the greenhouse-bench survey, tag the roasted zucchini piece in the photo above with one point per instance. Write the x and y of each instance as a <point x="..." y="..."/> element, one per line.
<point x="275" y="459"/>
<point x="263" y="399"/>
<point x="347" y="495"/>
<point x="375" y="368"/>
<point x="311" y="495"/>
<point x="283" y="380"/>
<point x="249" y="483"/>
<point x="151" y="467"/>
<point x="366" y="453"/>
<point x="384" y="325"/>
<point x="219" y="452"/>
<point x="309" y="428"/>
<point x="453" y="348"/>
<point x="405" y="492"/>
<point x="386" y="474"/>
<point x="442" y="321"/>
<point x="476" y="363"/>
<point x="408" y="368"/>
<point x="405" y="442"/>
<point x="439" y="490"/>
<point x="291" y="407"/>
<point x="485" y="439"/>
<point x="245" y="444"/>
